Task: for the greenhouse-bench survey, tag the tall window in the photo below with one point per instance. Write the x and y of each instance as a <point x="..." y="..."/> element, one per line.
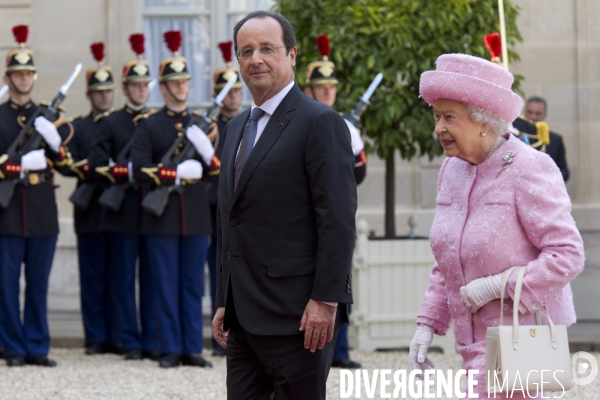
<point x="203" y="24"/>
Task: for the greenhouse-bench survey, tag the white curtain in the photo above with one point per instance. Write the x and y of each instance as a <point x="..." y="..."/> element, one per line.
<point x="195" y="47"/>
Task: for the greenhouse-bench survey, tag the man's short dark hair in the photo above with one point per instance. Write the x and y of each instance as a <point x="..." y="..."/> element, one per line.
<point x="289" y="39"/>
<point x="538" y="99"/>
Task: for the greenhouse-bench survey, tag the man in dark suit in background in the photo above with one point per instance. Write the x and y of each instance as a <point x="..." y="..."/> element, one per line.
<point x="287" y="202"/>
<point x="536" y="110"/>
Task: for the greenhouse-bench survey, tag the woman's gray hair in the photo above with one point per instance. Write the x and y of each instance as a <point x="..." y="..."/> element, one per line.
<point x="483" y="116"/>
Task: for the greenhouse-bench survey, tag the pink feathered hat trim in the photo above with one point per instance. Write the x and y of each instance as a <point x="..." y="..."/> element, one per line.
<point x="472" y="80"/>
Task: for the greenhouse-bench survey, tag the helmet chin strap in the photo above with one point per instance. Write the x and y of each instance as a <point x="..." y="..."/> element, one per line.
<point x="172" y="95"/>
<point x="16" y="89"/>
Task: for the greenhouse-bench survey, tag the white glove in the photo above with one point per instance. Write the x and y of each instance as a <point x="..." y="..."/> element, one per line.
<point x="35" y="160"/>
<point x="48" y="132"/>
<point x="189" y="169"/>
<point x="357" y="143"/>
<point x="417" y="355"/>
<point x="201" y="142"/>
<point x="130" y="172"/>
<point x="480" y="291"/>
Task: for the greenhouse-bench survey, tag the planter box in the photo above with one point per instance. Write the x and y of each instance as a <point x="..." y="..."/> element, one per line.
<point x="390" y="278"/>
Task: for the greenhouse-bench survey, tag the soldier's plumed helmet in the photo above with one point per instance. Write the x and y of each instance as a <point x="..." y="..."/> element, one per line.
<point x="173" y="68"/>
<point x="321" y="72"/>
<point x="136" y="70"/>
<point x="101" y="76"/>
<point x="20" y="59"/>
<point x="222" y="75"/>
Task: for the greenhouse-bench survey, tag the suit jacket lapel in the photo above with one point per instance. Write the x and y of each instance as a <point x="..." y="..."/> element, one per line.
<point x="237" y="132"/>
<point x="276" y="125"/>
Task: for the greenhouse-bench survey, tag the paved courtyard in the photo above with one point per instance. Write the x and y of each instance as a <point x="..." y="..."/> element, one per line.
<point x="109" y="377"/>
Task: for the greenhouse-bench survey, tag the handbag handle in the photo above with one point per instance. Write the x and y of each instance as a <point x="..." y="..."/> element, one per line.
<point x="516" y="301"/>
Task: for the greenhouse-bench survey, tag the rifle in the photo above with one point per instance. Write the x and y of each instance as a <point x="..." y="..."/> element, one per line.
<point x="112" y="197"/>
<point x="33" y="141"/>
<point x="156" y="201"/>
<point x="82" y="195"/>
<point x="363" y="102"/>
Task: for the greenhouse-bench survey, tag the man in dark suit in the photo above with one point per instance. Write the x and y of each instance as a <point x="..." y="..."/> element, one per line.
<point x="536" y="110"/>
<point x="287" y="202"/>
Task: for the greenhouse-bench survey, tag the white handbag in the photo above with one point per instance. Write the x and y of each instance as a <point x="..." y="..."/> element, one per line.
<point x="533" y="358"/>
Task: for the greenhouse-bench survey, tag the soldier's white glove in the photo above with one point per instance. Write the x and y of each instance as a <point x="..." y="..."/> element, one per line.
<point x="357" y="143"/>
<point x="35" y="160"/>
<point x="480" y="291"/>
<point x="201" y="142"/>
<point x="189" y="169"/>
<point x="417" y="354"/>
<point x="48" y="132"/>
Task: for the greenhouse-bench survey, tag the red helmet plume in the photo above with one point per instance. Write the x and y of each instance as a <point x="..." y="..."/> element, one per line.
<point x="21" y="33"/>
<point x="98" y="51"/>
<point x="173" y="40"/>
<point x="493" y="44"/>
<point x="137" y="43"/>
<point x="323" y="43"/>
<point x="226" y="50"/>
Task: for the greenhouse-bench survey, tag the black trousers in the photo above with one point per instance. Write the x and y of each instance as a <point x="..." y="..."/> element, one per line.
<point x="259" y="366"/>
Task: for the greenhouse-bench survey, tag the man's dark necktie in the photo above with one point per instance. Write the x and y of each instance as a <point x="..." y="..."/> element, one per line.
<point x="247" y="144"/>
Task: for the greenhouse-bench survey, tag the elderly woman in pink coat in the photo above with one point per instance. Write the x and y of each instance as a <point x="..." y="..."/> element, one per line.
<point x="500" y="203"/>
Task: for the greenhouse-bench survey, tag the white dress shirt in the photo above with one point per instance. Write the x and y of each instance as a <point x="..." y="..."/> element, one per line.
<point x="269" y="108"/>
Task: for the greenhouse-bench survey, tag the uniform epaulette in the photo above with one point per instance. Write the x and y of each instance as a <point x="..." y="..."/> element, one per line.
<point x="60" y="108"/>
<point x="75" y="118"/>
<point x="526" y="119"/>
<point x="144" y="115"/>
<point x="104" y="114"/>
<point x="543" y="132"/>
<point x="197" y="113"/>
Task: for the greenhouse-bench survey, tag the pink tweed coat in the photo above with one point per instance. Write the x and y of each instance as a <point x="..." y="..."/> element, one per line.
<point x="487" y="221"/>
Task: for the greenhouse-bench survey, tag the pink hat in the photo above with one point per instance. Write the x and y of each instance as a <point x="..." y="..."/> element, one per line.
<point x="472" y="80"/>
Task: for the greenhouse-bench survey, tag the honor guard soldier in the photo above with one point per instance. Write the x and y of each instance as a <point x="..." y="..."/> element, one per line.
<point x="121" y="215"/>
<point x="98" y="297"/>
<point x="173" y="158"/>
<point x="321" y="85"/>
<point x="28" y="212"/>
<point x="536" y="110"/>
<point x="230" y="108"/>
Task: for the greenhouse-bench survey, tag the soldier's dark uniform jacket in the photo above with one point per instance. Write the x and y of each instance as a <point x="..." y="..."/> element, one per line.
<point x="187" y="213"/>
<point x="32" y="210"/>
<point x="86" y="131"/>
<point x="114" y="133"/>
<point x="548" y="142"/>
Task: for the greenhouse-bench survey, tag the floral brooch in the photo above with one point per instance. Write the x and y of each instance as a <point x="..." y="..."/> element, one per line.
<point x="506" y="159"/>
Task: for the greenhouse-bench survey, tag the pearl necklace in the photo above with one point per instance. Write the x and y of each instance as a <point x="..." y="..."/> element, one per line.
<point x="495" y="147"/>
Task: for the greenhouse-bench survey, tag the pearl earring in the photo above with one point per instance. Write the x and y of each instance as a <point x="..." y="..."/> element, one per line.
<point x="482" y="133"/>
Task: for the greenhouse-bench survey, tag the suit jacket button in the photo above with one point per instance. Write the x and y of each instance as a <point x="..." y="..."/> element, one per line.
<point x="348" y="286"/>
<point x="348" y="291"/>
<point x="233" y="222"/>
<point x="228" y="255"/>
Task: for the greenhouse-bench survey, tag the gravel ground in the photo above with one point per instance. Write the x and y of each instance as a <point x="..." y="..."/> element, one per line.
<point x="109" y="377"/>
